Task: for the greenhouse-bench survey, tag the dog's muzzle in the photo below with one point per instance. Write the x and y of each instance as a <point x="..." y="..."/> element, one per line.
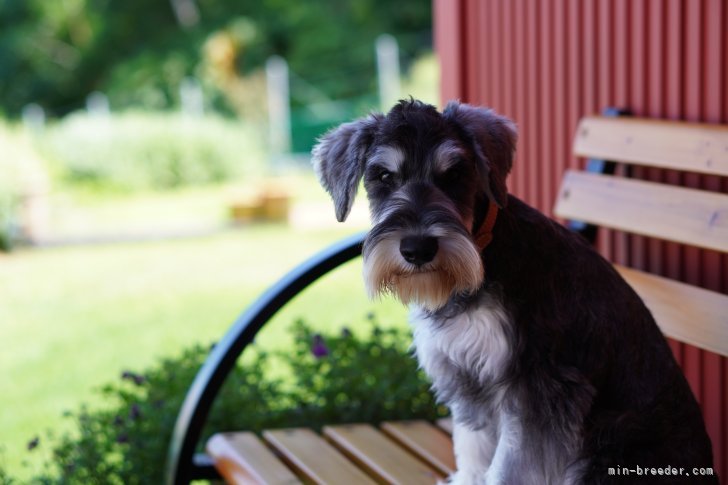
<point x="421" y="253"/>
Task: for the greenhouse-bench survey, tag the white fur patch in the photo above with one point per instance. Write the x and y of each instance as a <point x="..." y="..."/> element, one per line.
<point x="446" y="155"/>
<point x="389" y="157"/>
<point x="510" y="435"/>
<point x="317" y="160"/>
<point x="474" y="340"/>
<point x="473" y="454"/>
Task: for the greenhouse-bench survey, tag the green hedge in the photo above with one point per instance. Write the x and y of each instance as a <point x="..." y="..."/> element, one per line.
<point x="135" y="151"/>
<point x="321" y="379"/>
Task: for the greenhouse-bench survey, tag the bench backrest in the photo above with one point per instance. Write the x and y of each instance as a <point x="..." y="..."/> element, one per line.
<point x="688" y="216"/>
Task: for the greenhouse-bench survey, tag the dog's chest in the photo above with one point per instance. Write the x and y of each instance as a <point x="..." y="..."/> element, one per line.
<point x="471" y="345"/>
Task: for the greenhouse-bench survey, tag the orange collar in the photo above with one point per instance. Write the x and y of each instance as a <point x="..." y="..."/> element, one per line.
<point x="485" y="234"/>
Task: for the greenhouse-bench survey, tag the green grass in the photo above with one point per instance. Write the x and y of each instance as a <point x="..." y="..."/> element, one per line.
<point x="73" y="318"/>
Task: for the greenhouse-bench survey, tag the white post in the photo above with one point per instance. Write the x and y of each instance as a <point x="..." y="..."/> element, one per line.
<point x="186" y="12"/>
<point x="388" y="71"/>
<point x="191" y="97"/>
<point x="97" y="104"/>
<point x="279" y="109"/>
<point x="34" y="117"/>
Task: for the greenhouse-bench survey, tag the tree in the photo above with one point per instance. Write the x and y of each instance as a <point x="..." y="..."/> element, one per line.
<point x="56" y="53"/>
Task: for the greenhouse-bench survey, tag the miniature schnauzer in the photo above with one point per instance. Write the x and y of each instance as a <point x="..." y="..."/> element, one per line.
<point x="553" y="368"/>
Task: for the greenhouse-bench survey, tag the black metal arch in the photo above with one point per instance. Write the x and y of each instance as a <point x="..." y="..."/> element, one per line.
<point x="182" y="463"/>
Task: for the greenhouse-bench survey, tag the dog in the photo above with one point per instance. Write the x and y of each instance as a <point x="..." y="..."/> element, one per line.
<point x="551" y="365"/>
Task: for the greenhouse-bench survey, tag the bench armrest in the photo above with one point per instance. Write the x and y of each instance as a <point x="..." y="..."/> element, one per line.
<point x="181" y="467"/>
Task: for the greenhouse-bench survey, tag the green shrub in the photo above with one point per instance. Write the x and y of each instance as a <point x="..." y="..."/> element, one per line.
<point x="135" y="151"/>
<point x="321" y="379"/>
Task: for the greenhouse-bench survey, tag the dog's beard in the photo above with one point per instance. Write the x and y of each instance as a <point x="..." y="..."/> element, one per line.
<point x="457" y="268"/>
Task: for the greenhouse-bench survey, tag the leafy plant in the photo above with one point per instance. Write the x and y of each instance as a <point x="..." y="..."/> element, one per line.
<point x="322" y="379"/>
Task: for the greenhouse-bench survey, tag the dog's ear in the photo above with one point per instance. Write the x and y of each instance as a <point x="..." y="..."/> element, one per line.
<point x="494" y="142"/>
<point x="339" y="157"/>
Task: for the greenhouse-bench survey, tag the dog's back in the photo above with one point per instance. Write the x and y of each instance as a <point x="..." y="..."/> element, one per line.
<point x="578" y="324"/>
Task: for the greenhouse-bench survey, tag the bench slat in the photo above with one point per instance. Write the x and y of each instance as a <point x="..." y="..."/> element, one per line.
<point x="445" y="424"/>
<point x="684" y="312"/>
<point x="688" y="216"/>
<point x="694" y="147"/>
<point x="241" y="458"/>
<point x="380" y="455"/>
<point x="424" y="440"/>
<point x="314" y="458"/>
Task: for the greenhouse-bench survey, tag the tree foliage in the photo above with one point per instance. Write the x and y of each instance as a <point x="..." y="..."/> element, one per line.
<point x="136" y="51"/>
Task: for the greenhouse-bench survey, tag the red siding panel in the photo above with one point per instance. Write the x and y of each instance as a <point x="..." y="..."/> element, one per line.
<point x="546" y="63"/>
<point x="519" y="85"/>
<point x="450" y="44"/>
<point x="532" y="123"/>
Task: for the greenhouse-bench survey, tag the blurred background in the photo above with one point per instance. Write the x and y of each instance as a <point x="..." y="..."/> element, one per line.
<point x="155" y="178"/>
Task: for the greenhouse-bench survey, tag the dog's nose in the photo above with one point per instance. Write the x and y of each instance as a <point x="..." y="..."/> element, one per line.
<point x="418" y="250"/>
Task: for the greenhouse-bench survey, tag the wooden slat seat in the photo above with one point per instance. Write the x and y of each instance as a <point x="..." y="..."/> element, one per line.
<point x="243" y="458"/>
<point x="380" y="455"/>
<point x="426" y="441"/>
<point x="345" y="454"/>
<point x="315" y="460"/>
<point x="445" y="424"/>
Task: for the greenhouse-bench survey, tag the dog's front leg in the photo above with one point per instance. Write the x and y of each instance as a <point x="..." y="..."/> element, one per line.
<point x="500" y="471"/>
<point x="474" y="450"/>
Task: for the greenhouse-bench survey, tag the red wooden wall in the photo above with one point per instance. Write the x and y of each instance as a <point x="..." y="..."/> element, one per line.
<point x="546" y="63"/>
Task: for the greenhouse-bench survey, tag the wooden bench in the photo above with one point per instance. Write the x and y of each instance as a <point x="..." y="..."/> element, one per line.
<point x="683" y="215"/>
<point x="418" y="452"/>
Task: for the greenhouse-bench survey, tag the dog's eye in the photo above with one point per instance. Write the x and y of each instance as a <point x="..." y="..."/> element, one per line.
<point x="385" y="176"/>
<point x="452" y="175"/>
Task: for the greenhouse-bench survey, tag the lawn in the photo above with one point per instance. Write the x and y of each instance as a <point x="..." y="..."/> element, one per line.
<point x="73" y="318"/>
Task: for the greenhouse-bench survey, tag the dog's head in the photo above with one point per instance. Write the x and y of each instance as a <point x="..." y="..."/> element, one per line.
<point x="429" y="178"/>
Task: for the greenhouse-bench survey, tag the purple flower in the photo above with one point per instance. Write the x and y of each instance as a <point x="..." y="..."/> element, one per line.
<point x="118" y="420"/>
<point x="135" y="378"/>
<point x="135" y="412"/>
<point x="33" y="444"/>
<point x="319" y="348"/>
<point x="122" y="438"/>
